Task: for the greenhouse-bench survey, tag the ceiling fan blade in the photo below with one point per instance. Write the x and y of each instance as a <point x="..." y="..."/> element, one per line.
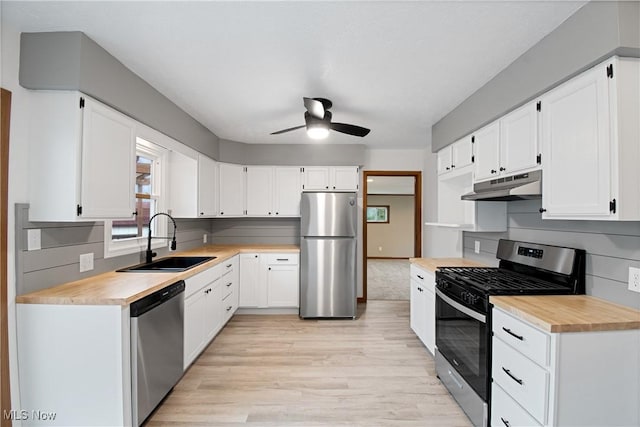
<point x="314" y="107"/>
<point x="287" y="130"/>
<point x="350" y="129"/>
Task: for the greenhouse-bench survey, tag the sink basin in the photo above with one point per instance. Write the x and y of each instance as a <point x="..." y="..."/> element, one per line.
<point x="168" y="264"/>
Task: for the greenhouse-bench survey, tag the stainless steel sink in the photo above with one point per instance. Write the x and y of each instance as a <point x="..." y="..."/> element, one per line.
<point x="169" y="264"/>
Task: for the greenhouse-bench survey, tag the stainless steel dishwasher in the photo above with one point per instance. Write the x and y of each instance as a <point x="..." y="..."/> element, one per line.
<point x="157" y="331"/>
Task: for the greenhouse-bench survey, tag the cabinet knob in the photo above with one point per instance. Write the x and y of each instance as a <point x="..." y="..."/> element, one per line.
<point x="502" y="169"/>
<point x="277" y="213"/>
<point x="327" y="187"/>
<point x="447" y="168"/>
<point x="269" y="213"/>
<point x="453" y="166"/>
<point x="221" y="213"/>
<point x="542" y="210"/>
<point x="201" y="213"/>
<point x="269" y="268"/>
<point x="493" y="171"/>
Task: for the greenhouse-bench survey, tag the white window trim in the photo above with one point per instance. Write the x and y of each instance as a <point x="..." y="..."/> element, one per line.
<point x="114" y="248"/>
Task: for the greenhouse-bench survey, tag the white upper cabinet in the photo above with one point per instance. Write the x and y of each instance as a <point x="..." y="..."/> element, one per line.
<point x="590" y="144"/>
<point x="192" y="184"/>
<point x="82" y="159"/>
<point x="455" y="156"/>
<point x="519" y="146"/>
<point x="335" y="178"/>
<point x="509" y="145"/>
<point x="207" y="186"/>
<point x="260" y="190"/>
<point x="232" y="189"/>
<point x="288" y="187"/>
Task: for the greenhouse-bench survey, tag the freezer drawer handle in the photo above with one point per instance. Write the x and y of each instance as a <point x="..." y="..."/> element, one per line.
<point x="282" y="259"/>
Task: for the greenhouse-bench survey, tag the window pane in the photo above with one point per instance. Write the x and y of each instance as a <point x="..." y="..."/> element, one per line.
<point x="136" y="227"/>
<point x="144" y="169"/>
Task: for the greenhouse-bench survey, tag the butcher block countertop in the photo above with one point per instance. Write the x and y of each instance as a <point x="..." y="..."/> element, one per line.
<point x="432" y="264"/>
<point x="569" y="313"/>
<point x="114" y="288"/>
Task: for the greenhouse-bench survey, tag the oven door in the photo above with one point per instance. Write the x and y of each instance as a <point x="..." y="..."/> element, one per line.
<point x="461" y="337"/>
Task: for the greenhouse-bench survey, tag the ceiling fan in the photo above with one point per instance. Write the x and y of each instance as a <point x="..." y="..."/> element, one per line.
<point x="318" y="121"/>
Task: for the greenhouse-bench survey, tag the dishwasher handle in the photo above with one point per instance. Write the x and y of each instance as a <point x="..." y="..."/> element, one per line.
<point x="153" y="300"/>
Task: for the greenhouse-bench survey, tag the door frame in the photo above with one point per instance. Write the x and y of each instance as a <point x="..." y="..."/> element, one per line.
<point x="417" y="218"/>
<point x="5" y="389"/>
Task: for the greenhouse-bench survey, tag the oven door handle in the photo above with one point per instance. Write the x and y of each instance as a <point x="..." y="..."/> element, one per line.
<point x="466" y="310"/>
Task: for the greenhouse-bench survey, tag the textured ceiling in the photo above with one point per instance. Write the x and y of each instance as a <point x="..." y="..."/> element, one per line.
<point x="242" y="68"/>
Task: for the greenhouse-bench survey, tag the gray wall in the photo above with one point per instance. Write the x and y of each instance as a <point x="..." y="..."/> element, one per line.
<point x="292" y="154"/>
<point x="72" y="61"/>
<point x="62" y="243"/>
<point x="612" y="247"/>
<point x="277" y="231"/>
<point x="596" y="31"/>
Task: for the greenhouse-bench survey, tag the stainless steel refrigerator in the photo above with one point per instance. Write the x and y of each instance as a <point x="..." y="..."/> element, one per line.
<point x="328" y="230"/>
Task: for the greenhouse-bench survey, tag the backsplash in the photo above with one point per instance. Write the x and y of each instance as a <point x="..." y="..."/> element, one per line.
<point x="62" y="243"/>
<point x="612" y="247"/>
<point x="277" y="231"/>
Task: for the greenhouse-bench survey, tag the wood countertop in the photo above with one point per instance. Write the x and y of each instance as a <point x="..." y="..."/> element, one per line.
<point x="115" y="288"/>
<point x="569" y="313"/>
<point x="432" y="264"/>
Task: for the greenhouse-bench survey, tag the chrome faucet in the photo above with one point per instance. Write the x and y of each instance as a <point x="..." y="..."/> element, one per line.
<point x="149" y="253"/>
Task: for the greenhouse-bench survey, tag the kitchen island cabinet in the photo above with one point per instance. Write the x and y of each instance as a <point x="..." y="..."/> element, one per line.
<point x="564" y="360"/>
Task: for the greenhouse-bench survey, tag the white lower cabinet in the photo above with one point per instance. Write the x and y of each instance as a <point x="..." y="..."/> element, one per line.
<point x="539" y="378"/>
<point x="423" y="306"/>
<point x="210" y="301"/>
<point x="269" y="280"/>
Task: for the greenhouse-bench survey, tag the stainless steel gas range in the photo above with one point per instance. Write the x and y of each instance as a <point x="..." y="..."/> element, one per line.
<point x="463" y="313"/>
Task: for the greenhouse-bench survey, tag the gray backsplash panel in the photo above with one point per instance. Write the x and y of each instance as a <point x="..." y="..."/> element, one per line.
<point x="280" y="231"/>
<point x="612" y="247"/>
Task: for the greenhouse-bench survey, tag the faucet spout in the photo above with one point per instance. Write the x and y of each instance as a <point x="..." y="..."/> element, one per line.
<point x="149" y="254"/>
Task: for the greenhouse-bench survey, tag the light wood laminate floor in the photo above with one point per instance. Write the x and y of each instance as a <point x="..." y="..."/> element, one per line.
<point x="283" y="371"/>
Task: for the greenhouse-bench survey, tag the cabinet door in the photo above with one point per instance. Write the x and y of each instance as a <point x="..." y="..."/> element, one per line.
<point x="232" y="189"/>
<point x="519" y="140"/>
<point x="282" y="286"/>
<point x="288" y="186"/>
<point x="250" y="281"/>
<point x="207" y="184"/>
<point x="576" y="147"/>
<point x="444" y="160"/>
<point x="212" y="313"/>
<point x="194" y="326"/>
<point x="486" y="144"/>
<point x="345" y="178"/>
<point x="316" y="178"/>
<point x="259" y="190"/>
<point x="461" y="153"/>
<point x="108" y="162"/>
<point x="183" y="185"/>
<point x="414" y="307"/>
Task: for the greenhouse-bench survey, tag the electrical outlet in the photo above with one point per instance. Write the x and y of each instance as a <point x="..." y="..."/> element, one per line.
<point x="204" y="238"/>
<point x="34" y="239"/>
<point x="634" y="279"/>
<point x="86" y="262"/>
<point x="476" y="246"/>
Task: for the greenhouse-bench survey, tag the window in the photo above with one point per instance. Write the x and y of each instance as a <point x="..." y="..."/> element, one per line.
<point x="130" y="236"/>
<point x="378" y="214"/>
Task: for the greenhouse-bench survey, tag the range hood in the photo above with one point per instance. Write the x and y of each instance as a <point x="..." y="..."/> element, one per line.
<point x="516" y="187"/>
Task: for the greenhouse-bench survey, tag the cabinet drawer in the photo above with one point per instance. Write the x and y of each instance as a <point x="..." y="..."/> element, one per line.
<point x="522" y="379"/>
<point x="288" y="259"/>
<point x="528" y="340"/>
<point x="198" y="281"/>
<point x="419" y="274"/>
<point x="228" y="286"/>
<point x="505" y="412"/>
<point x="229" y="265"/>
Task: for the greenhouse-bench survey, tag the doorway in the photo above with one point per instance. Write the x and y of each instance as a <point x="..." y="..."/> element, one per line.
<point x="392" y="231"/>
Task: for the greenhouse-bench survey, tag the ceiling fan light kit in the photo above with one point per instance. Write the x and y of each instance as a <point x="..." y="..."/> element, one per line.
<point x="318" y="121"/>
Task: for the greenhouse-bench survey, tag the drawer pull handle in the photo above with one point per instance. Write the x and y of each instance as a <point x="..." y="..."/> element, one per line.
<point x="420" y="277"/>
<point x="455" y="380"/>
<point x="229" y="265"/>
<point x="520" y="337"/>
<point x="229" y="308"/>
<point x="505" y="422"/>
<point x="229" y="284"/>
<point x="508" y="372"/>
<point x="282" y="259"/>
